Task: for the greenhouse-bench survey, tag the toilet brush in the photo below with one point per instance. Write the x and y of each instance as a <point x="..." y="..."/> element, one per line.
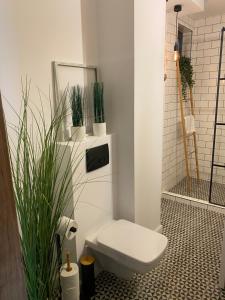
<point x="68" y="268"/>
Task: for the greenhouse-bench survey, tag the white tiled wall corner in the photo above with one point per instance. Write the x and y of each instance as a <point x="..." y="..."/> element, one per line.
<point x="205" y="58"/>
<point x="206" y="84"/>
<point x="213" y="20"/>
<point x="173" y="167"/>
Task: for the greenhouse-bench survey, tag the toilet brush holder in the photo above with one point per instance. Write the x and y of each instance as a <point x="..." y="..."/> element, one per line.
<point x="87" y="276"/>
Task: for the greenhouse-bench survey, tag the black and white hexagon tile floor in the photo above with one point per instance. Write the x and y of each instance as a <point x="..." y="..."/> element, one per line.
<point x="190" y="267"/>
<point x="200" y="190"/>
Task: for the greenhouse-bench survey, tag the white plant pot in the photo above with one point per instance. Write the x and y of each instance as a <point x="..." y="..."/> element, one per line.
<point x="99" y="129"/>
<point x="78" y="133"/>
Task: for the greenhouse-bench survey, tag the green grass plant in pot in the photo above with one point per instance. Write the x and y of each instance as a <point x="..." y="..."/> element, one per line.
<point x="42" y="193"/>
<point x="77" y="99"/>
<point x="99" y="125"/>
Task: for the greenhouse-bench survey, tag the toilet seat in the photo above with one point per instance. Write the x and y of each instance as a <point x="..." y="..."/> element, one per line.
<point x="132" y="244"/>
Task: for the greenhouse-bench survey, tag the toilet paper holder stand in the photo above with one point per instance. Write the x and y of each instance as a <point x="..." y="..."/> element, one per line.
<point x="58" y="245"/>
<point x="59" y="252"/>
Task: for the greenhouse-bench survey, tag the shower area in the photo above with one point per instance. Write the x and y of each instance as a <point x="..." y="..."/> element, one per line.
<point x="199" y="39"/>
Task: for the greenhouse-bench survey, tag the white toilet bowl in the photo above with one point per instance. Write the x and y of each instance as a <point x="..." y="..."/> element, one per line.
<point x="124" y="248"/>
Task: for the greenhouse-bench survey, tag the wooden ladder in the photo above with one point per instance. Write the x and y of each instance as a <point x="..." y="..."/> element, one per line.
<point x="185" y="136"/>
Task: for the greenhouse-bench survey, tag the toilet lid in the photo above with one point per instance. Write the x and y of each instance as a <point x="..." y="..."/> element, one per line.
<point x="133" y="241"/>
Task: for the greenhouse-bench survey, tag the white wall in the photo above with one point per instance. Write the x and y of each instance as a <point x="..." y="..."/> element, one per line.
<point x="9" y="57"/>
<point x="131" y="54"/>
<point x="90" y="31"/>
<point x="200" y="3"/>
<point x="51" y="30"/>
<point x="115" y="31"/>
<point x="34" y="33"/>
<point x="149" y="39"/>
<point x="93" y="193"/>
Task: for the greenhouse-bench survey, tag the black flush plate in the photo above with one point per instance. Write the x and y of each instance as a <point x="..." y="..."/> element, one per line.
<point x="97" y="157"/>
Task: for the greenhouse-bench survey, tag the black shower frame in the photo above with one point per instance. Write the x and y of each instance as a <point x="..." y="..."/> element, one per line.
<point x="216" y="123"/>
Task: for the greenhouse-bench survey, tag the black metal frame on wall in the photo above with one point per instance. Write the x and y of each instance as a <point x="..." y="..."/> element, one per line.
<point x="216" y="123"/>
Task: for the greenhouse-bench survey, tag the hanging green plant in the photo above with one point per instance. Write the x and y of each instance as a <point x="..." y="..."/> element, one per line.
<point x="186" y="71"/>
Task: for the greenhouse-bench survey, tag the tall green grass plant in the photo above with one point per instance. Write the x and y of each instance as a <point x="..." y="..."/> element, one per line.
<point x="42" y="192"/>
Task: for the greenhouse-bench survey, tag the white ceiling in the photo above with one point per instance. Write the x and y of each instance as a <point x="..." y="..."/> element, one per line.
<point x="188" y="6"/>
<point x="212" y="8"/>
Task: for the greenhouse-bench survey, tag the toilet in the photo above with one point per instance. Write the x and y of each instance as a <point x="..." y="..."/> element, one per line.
<point x="125" y="248"/>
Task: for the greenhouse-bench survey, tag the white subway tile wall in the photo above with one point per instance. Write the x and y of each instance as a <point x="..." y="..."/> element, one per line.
<point x="205" y="94"/>
<point x="205" y="60"/>
<point x="173" y="157"/>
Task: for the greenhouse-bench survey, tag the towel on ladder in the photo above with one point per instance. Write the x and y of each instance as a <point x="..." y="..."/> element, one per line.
<point x="189" y="124"/>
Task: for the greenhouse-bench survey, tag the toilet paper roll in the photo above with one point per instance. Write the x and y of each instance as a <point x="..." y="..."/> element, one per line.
<point x="67" y="228"/>
<point x="69" y="279"/>
<point x="71" y="294"/>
